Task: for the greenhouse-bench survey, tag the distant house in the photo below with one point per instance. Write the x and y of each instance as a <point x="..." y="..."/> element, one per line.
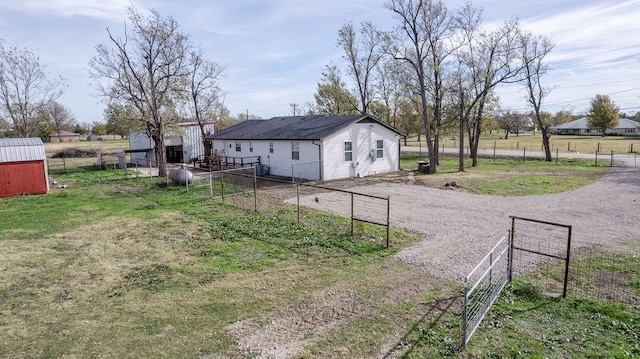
<point x="65" y="136"/>
<point x="23" y="167"/>
<point x="317" y="147"/>
<point x="94" y="137"/>
<point x="580" y="126"/>
<point x="182" y="144"/>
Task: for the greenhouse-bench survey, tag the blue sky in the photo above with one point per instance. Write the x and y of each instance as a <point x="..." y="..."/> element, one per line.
<point x="274" y="51"/>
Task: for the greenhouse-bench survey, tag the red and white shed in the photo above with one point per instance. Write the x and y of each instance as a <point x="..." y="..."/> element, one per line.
<point x="23" y="167"/>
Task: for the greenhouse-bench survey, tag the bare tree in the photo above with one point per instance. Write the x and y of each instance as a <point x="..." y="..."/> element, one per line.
<point x="441" y="30"/>
<point x="59" y="117"/>
<point x="489" y="60"/>
<point x="391" y="81"/>
<point x="410" y="43"/>
<point x="363" y="55"/>
<point x="24" y="88"/>
<point x="145" y="68"/>
<point x="204" y="94"/>
<point x="533" y="51"/>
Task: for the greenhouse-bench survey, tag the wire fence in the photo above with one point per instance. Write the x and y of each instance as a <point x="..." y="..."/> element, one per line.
<point x="541" y="254"/>
<point x="605" y="274"/>
<point x="361" y="215"/>
<point x="535" y="244"/>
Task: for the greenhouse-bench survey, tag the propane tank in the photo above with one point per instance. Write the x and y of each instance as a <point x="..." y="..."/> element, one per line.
<point x="180" y="176"/>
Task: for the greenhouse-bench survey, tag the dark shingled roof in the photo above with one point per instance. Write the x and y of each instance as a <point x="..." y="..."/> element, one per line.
<point x="313" y="127"/>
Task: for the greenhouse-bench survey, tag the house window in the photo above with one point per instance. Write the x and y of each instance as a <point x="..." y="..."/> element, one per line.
<point x="250" y="147"/>
<point x="348" y="152"/>
<point x="270" y="147"/>
<point x="379" y="149"/>
<point x="629" y="130"/>
<point x="238" y="147"/>
<point x="295" y="150"/>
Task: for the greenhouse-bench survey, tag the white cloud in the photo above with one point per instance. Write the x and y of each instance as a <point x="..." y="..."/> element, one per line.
<point x="112" y="9"/>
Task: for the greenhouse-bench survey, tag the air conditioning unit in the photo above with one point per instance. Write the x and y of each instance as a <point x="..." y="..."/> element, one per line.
<point x="262" y="170"/>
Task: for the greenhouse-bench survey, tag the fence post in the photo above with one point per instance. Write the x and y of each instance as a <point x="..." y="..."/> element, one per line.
<point x="465" y="313"/>
<point x="352" y="215"/>
<point x="596" y="158"/>
<point x="255" y="191"/>
<point x="388" y="218"/>
<point x="298" y="202"/>
<point x="210" y="185"/>
<point x="222" y="185"/>
<point x="611" y="159"/>
<point x="524" y="154"/>
<point x="511" y="240"/>
<point x="566" y="266"/>
<point x="186" y="178"/>
<point x="494" y="151"/>
<point x="556" y="155"/>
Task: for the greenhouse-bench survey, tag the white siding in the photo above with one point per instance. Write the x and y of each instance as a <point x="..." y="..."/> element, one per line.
<point x="192" y="146"/>
<point x="189" y="137"/>
<point x="364" y="162"/>
<point x="141" y="141"/>
<point x="279" y="162"/>
<point x="363" y="136"/>
<point x="21" y="149"/>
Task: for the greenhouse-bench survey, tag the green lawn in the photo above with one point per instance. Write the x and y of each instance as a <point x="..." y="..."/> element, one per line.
<point x="583" y="144"/>
<point x="507" y="176"/>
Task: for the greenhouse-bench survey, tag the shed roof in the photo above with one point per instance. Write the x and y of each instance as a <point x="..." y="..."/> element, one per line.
<point x="313" y="127"/>
<point x="63" y="133"/>
<point x="583" y="123"/>
<point x="21" y="149"/>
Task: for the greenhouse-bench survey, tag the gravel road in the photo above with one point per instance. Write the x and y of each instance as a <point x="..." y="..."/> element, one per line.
<point x="459" y="228"/>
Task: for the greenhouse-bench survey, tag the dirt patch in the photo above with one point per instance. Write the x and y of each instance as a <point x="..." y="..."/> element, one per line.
<point x="285" y="332"/>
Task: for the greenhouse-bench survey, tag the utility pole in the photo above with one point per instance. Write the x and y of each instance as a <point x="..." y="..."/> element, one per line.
<point x="461" y="100"/>
<point x="293" y="105"/>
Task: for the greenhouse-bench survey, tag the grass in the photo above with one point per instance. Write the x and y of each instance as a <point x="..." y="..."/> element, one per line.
<point x="135" y="268"/>
<point x="509" y="177"/>
<point x="583" y="144"/>
<point x="525" y="322"/>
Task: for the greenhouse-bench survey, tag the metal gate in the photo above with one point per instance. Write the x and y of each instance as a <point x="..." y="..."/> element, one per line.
<point x="535" y="243"/>
<point x="483" y="286"/>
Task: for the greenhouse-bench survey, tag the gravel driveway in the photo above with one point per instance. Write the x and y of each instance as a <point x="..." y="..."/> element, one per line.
<point x="459" y="228"/>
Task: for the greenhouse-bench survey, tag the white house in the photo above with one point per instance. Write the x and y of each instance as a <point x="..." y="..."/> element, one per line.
<point x="580" y="126"/>
<point x="181" y="144"/>
<point x="316" y="147"/>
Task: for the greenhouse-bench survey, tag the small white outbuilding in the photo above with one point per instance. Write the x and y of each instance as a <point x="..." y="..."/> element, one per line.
<point x="182" y="144"/>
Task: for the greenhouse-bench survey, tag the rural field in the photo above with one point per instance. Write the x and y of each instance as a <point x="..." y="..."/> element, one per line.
<point x="114" y="267"/>
<point x="533" y="142"/>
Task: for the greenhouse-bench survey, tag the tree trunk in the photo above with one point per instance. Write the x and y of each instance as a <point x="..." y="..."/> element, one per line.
<point x="461" y="145"/>
<point x="546" y="144"/>
<point x="436" y="147"/>
<point x="506" y="134"/>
